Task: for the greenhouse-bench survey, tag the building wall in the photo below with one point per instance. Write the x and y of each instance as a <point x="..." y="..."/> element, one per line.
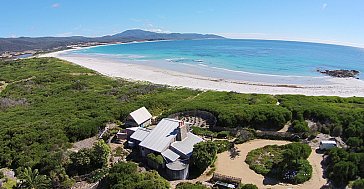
<point x="177" y="175"/>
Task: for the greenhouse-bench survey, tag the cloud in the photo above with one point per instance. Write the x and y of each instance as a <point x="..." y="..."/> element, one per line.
<point x="147" y="25"/>
<point x="56" y="5"/>
<point x="324" y="6"/>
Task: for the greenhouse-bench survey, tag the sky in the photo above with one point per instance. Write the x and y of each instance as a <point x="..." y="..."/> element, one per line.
<point x="327" y="21"/>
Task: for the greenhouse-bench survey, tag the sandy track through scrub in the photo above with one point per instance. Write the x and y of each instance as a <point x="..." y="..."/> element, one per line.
<point x="238" y="168"/>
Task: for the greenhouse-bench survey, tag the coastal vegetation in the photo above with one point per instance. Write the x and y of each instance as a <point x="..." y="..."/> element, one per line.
<point x="187" y="185"/>
<point x="49" y="103"/>
<point x="126" y="175"/>
<point x="287" y="163"/>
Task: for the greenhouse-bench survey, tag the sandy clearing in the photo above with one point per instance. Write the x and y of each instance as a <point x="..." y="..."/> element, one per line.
<point x="238" y="168"/>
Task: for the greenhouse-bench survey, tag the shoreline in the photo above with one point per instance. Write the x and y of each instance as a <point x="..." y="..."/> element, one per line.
<point x="343" y="87"/>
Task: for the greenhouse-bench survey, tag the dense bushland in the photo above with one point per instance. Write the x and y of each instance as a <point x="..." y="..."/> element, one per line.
<point x="49" y="103"/>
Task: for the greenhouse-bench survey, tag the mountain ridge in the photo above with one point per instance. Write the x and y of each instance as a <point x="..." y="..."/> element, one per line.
<point x="47" y="43"/>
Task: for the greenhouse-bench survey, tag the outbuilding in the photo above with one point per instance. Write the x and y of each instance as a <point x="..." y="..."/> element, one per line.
<point x="139" y="118"/>
<point x="327" y="144"/>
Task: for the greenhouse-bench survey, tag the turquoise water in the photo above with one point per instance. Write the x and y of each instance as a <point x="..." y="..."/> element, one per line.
<point x="280" y="58"/>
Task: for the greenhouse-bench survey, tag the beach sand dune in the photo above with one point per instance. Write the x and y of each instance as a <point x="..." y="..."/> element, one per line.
<point x="344" y="87"/>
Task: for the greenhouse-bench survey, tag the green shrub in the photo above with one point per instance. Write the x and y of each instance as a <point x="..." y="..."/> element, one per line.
<point x="358" y="184"/>
<point x="187" y="185"/>
<point x="304" y="172"/>
<point x="203" y="155"/>
<point x="248" y="186"/>
<point x="337" y="131"/>
<point x="126" y="175"/>
<point x="203" y="132"/>
<point x="244" y="136"/>
<point x="287" y="162"/>
<point x="156" y="158"/>
<point x="1" y="175"/>
<point x="300" y="126"/>
<point x="223" y="134"/>
<point x="223" y="145"/>
<point x="97" y="175"/>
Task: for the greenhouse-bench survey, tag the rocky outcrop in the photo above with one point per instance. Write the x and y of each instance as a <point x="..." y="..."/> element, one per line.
<point x="340" y="73"/>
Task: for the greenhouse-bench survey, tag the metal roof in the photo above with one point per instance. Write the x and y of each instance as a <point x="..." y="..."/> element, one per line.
<point x="328" y="142"/>
<point x="161" y="136"/>
<point x="186" y="146"/>
<point x="132" y="128"/>
<point x="170" y="155"/>
<point x="141" y="115"/>
<point x="140" y="134"/>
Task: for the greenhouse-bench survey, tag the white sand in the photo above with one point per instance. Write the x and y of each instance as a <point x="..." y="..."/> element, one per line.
<point x="238" y="168"/>
<point x="344" y="87"/>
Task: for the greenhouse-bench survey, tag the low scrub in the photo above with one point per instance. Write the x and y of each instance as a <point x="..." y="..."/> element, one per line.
<point x="287" y="163"/>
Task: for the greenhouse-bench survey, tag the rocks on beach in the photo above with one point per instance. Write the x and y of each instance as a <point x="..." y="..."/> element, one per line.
<point x="340" y="73"/>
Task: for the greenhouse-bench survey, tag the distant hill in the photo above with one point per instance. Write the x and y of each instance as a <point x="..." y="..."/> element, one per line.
<point x="47" y="43"/>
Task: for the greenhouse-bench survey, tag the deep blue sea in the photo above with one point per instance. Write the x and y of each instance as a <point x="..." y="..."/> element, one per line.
<point x="270" y="57"/>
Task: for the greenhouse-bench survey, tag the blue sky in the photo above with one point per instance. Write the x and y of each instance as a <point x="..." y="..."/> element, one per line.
<point x="330" y="21"/>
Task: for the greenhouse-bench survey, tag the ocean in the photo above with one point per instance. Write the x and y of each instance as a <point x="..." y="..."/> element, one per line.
<point x="227" y="58"/>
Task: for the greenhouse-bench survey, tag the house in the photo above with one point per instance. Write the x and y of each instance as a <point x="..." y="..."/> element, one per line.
<point x="173" y="140"/>
<point x="139" y="118"/>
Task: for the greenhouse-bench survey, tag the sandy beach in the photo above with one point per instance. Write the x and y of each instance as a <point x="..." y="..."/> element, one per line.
<point x="343" y="87"/>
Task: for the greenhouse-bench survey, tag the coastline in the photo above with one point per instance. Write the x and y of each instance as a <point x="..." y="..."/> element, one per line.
<point x="343" y="87"/>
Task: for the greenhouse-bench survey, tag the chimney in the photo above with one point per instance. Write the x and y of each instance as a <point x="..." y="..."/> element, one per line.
<point x="182" y="131"/>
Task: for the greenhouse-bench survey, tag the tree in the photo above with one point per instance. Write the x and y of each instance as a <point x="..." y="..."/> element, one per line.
<point x="358" y="184"/>
<point x="203" y="155"/>
<point x="337" y="131"/>
<point x="354" y="142"/>
<point x="126" y="175"/>
<point x="300" y="126"/>
<point x="31" y="179"/>
<point x="101" y="153"/>
<point x="60" y="179"/>
<point x="343" y="172"/>
<point x="296" y="151"/>
<point x="87" y="160"/>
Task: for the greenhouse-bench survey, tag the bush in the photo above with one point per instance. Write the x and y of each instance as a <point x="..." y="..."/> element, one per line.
<point x="1" y="175"/>
<point x="343" y="172"/>
<point x="248" y="186"/>
<point x="337" y="131"/>
<point x="243" y="136"/>
<point x="203" y="132"/>
<point x="203" y="155"/>
<point x="156" y="160"/>
<point x="126" y="175"/>
<point x="223" y="134"/>
<point x="223" y="145"/>
<point x="300" y="126"/>
<point x="97" y="175"/>
<point x="304" y="172"/>
<point x="286" y="162"/>
<point x="187" y="185"/>
<point x="358" y="184"/>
